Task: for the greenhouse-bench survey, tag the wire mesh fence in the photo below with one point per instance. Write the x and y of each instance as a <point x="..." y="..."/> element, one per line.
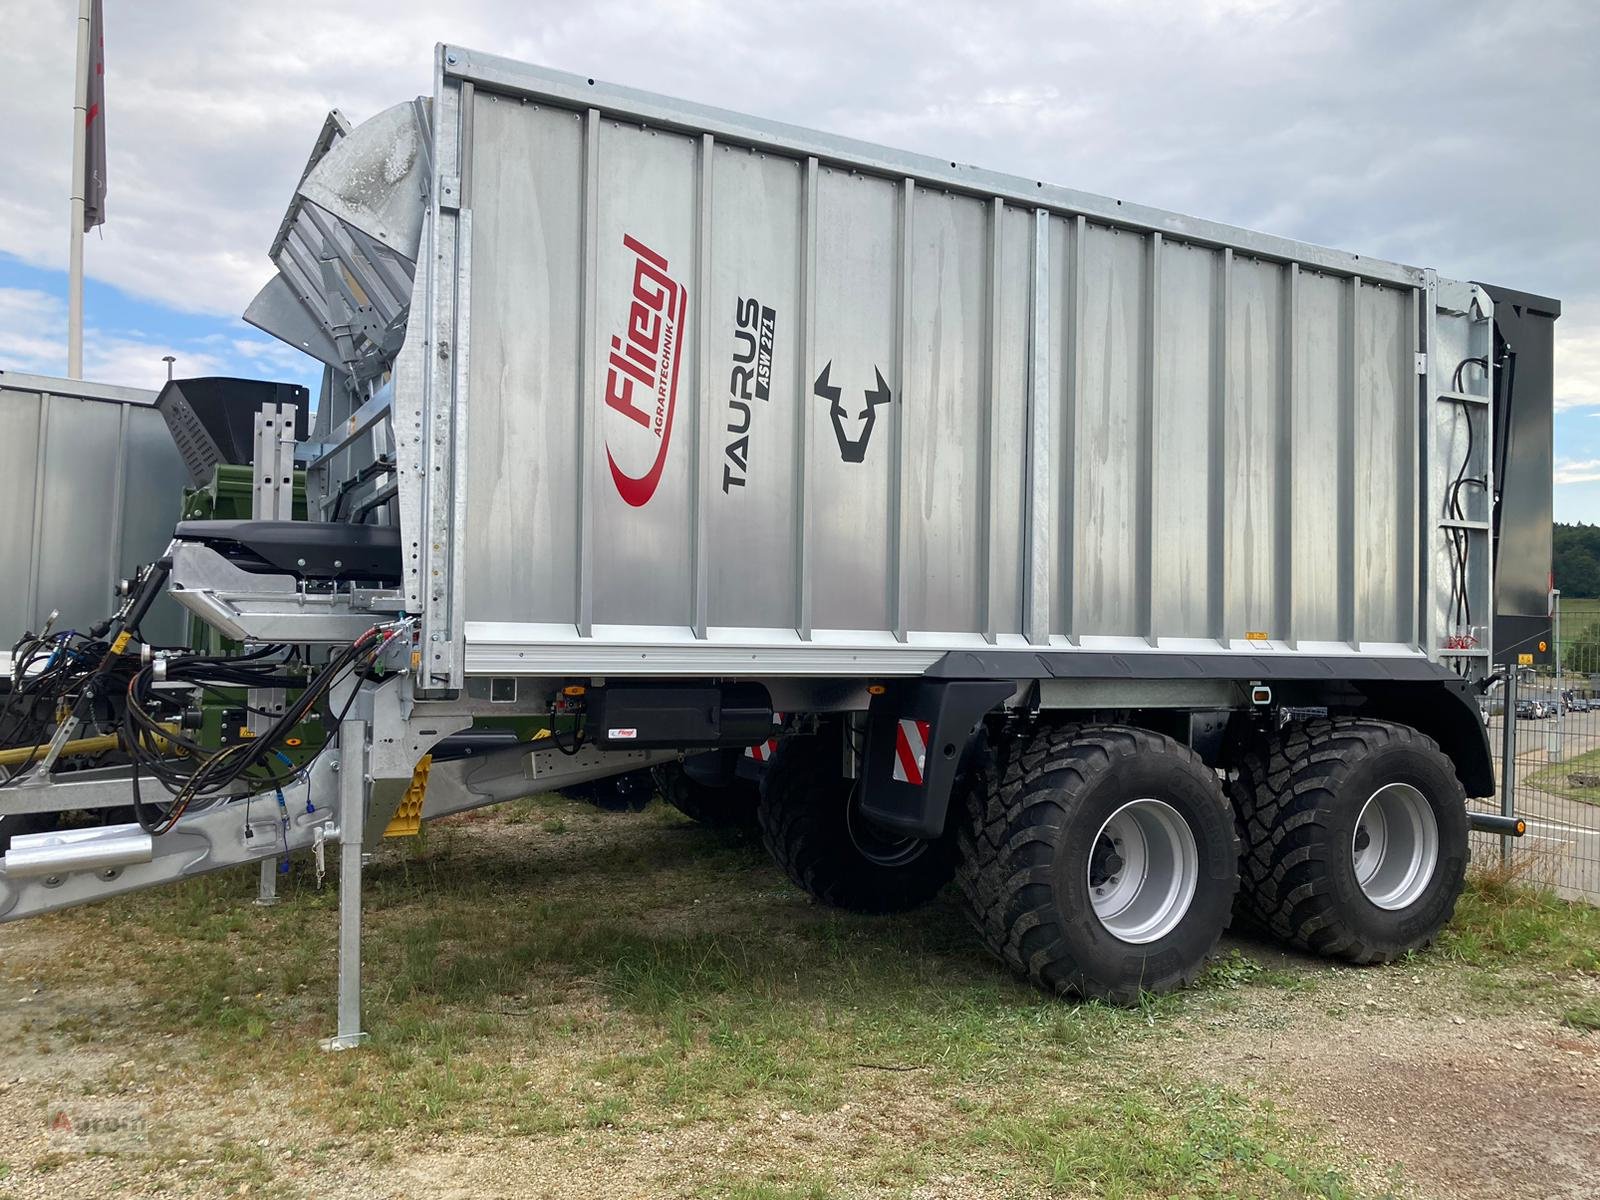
<point x="1555" y="772"/>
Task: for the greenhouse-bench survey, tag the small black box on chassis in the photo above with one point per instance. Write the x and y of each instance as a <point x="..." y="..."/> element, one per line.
<point x="738" y="714"/>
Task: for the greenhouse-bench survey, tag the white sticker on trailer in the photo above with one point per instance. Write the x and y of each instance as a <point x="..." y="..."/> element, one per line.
<point x="622" y="735"/>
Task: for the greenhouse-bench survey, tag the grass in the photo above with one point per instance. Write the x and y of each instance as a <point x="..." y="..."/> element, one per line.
<point x="1583" y="1016"/>
<point x="578" y="980"/>
<point x="1501" y="922"/>
<point x="1167" y="1141"/>
<point x="1556" y="778"/>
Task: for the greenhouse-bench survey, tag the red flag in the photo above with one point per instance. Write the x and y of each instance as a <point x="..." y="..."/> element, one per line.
<point x="94" y="145"/>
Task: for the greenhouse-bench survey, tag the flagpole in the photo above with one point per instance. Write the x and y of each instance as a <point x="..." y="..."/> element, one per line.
<point x="80" y="137"/>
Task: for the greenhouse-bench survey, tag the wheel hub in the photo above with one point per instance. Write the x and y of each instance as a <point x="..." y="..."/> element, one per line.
<point x="1144" y="868"/>
<point x="1395" y="848"/>
<point x="877" y="845"/>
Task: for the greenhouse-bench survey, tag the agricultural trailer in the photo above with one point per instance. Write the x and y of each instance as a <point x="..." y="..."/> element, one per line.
<point x="1124" y="567"/>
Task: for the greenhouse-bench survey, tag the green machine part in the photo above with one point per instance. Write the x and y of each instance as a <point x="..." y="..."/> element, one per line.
<point x="229" y="496"/>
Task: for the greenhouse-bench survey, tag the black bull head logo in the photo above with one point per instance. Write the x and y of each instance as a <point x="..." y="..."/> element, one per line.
<point x="852" y="450"/>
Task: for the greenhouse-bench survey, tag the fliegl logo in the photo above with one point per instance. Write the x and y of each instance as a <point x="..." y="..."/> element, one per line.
<point x="642" y="375"/>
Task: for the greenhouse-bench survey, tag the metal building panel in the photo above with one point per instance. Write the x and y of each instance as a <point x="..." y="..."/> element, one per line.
<point x="1251" y="450"/>
<point x="523" y="435"/>
<point x="1186" y="359"/>
<point x="148" y="510"/>
<point x="1321" y="366"/>
<point x="1107" y="477"/>
<point x="647" y="316"/>
<point x="19" y="482"/>
<point x="1386" y="409"/>
<point x="80" y="478"/>
<point x="943" y="414"/>
<point x="752" y="394"/>
<point x="855" y="342"/>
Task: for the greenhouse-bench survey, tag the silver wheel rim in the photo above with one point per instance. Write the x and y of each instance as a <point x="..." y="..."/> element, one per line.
<point x="1144" y="867"/>
<point x="1395" y="846"/>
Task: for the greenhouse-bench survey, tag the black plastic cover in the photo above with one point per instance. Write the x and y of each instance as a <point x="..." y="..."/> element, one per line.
<point x="212" y="419"/>
<point x="1524" y="404"/>
<point x="668" y="717"/>
<point x="327" y="550"/>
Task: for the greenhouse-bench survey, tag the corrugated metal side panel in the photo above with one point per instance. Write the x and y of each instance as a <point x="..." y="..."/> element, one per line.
<point x="94" y="489"/>
<point x="1187" y="360"/>
<point x="757" y="207"/>
<point x="1320" y="461"/>
<point x="888" y="394"/>
<point x="523" y="432"/>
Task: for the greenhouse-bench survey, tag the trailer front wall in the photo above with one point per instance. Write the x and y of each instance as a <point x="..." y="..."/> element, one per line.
<point x="713" y="385"/>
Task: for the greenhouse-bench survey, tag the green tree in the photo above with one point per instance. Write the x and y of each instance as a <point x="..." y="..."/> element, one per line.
<point x="1580" y="653"/>
<point x="1576" y="559"/>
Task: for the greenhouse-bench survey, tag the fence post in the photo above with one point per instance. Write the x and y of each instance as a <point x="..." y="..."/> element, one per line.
<point x="1508" y="759"/>
<point x="1557" y="748"/>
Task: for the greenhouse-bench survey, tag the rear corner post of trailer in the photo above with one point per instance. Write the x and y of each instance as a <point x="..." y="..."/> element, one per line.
<point x="1127" y="570"/>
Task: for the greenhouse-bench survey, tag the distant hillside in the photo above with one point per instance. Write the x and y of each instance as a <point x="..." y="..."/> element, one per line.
<point x="1577" y="559"/>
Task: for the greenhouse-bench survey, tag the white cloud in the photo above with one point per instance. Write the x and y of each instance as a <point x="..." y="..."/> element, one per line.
<point x="1577" y="360"/>
<point x="33" y="340"/>
<point x="1435" y="133"/>
<point x="1587" y="471"/>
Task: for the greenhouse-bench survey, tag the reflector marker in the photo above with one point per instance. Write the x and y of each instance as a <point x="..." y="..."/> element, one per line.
<point x="910" y="750"/>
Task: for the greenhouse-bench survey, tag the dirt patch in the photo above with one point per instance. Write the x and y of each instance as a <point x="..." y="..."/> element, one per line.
<point x="1461" y="1106"/>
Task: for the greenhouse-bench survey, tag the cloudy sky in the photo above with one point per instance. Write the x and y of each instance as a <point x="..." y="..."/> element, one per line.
<point x="1459" y="135"/>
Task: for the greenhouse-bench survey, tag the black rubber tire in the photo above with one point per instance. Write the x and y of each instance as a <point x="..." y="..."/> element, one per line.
<point x="1297" y="794"/>
<point x="728" y="807"/>
<point x="15" y="826"/>
<point x="806" y="823"/>
<point x="1033" y="809"/>
<point x="628" y="792"/>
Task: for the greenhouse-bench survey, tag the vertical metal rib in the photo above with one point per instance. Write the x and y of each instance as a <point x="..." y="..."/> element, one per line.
<point x="1145" y="485"/>
<point x="1217" y="464"/>
<point x="991" y="439"/>
<point x="1036" y="561"/>
<point x="587" y="416"/>
<point x="804" y="459"/>
<point x="119" y="487"/>
<point x="1429" y="503"/>
<point x="36" y="549"/>
<point x="900" y="468"/>
<point x="459" y="414"/>
<point x="1347" y="467"/>
<point x="1411" y="521"/>
<point x="464" y="154"/>
<point x="1071" y="369"/>
<point x="700" y="548"/>
<point x="1284" y="541"/>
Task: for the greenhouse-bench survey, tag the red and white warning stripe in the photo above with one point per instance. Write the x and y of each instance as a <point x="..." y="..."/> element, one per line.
<point x="910" y="750"/>
<point x="763" y="752"/>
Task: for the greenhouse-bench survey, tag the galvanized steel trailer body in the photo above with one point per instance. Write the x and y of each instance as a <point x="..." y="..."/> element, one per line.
<point x="1106" y="427"/>
<point x="677" y="396"/>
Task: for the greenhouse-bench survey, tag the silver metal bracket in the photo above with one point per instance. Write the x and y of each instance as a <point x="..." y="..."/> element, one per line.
<point x="353" y="784"/>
